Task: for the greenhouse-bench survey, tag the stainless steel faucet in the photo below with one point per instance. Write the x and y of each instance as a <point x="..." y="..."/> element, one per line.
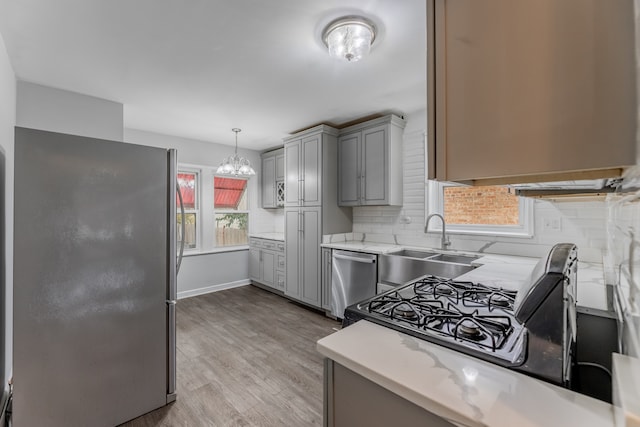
<point x="445" y="240"/>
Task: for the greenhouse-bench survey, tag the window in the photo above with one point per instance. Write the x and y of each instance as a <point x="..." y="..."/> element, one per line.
<point x="230" y="211"/>
<point x="187" y="182"/>
<point x="491" y="210"/>
<point x="216" y="209"/>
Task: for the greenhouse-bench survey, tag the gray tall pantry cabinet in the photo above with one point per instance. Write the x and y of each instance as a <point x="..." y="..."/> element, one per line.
<point x="311" y="209"/>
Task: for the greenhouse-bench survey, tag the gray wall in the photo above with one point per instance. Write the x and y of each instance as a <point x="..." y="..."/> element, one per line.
<point x="208" y="272"/>
<point x="7" y="122"/>
<point x="46" y="108"/>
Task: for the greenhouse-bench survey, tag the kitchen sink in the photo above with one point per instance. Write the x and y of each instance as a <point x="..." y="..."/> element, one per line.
<point x="398" y="270"/>
<point x="458" y="259"/>
<point x="414" y="253"/>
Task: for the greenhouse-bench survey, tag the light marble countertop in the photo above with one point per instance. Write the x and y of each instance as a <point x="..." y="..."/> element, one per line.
<point x="269" y="236"/>
<point x="368" y="247"/>
<point x="505" y="271"/>
<point x="460" y="388"/>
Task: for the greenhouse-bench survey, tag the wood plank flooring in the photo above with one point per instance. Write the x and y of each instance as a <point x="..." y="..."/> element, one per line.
<point x="246" y="357"/>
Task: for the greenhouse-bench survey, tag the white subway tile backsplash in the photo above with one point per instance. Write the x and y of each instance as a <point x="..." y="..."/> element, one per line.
<point x="581" y="222"/>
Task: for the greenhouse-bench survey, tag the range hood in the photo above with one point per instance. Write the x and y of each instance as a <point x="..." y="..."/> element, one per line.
<point x="560" y="189"/>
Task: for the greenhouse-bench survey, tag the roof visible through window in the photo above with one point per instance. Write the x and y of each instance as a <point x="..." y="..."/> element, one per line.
<point x="228" y="192"/>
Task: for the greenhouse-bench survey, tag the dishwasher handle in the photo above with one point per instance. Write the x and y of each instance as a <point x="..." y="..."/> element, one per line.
<point x="356" y="259"/>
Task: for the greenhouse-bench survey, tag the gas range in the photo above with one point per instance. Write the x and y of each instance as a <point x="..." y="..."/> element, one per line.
<point x="532" y="330"/>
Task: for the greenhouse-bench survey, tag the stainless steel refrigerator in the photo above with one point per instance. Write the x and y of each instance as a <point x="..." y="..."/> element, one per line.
<point x="94" y="280"/>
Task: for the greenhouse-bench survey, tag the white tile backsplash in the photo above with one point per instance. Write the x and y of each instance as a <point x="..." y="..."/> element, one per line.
<point x="582" y="223"/>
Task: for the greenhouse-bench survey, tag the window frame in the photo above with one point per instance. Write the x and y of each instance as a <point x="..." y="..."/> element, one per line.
<point x="435" y="204"/>
<point x="186" y="169"/>
<point x="224" y="211"/>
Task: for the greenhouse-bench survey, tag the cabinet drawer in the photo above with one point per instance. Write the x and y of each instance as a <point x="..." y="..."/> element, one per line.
<point x="268" y="244"/>
<point x="280" y="247"/>
<point x="255" y="242"/>
<point x="280" y="264"/>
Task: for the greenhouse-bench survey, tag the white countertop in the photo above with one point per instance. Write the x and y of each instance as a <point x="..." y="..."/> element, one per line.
<point x="463" y="389"/>
<point x="368" y="247"/>
<point x="505" y="271"/>
<point x="269" y="236"/>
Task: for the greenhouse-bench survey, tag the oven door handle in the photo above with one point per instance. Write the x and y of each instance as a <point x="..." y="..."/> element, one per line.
<point x="356" y="259"/>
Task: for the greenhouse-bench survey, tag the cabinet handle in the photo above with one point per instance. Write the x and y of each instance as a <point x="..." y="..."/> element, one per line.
<point x="302" y="222"/>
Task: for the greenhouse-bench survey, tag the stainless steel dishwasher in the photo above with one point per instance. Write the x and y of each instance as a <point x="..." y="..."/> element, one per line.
<point x="354" y="276"/>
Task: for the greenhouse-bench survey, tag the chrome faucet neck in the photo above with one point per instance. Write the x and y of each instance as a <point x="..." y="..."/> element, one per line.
<point x="444" y="241"/>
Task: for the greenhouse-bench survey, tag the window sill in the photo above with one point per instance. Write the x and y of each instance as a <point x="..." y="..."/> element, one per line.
<point x="197" y="252"/>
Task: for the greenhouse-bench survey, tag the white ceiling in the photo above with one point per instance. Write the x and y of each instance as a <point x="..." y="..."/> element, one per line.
<point x="198" y="68"/>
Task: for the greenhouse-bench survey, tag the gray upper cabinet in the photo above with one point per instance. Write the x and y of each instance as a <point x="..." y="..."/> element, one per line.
<point x="273" y="179"/>
<point x="349" y="164"/>
<point x="303" y="164"/>
<point x="554" y="101"/>
<point x="370" y="163"/>
<point x="292" y="180"/>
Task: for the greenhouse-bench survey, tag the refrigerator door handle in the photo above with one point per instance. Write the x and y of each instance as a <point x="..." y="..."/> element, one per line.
<point x="182" y="228"/>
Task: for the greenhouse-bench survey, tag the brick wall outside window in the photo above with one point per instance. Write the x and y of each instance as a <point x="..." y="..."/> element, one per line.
<point x="492" y="205"/>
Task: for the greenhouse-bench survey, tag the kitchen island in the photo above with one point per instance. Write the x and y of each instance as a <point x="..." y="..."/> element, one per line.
<point x="451" y="387"/>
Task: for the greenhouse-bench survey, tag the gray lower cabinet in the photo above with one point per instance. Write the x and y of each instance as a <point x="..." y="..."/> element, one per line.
<point x="353" y="400"/>
<point x="326" y="279"/>
<point x="302" y="252"/>
<point x="370" y="163"/>
<point x="266" y="262"/>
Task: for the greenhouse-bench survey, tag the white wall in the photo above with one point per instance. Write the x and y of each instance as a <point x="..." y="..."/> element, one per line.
<point x="581" y="223"/>
<point x="7" y="122"/>
<point x="207" y="272"/>
<point x="47" y="108"/>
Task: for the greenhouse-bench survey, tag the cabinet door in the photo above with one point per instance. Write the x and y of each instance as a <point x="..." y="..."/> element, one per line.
<point x="254" y="264"/>
<point x="269" y="182"/>
<point x="280" y="281"/>
<point x="280" y="167"/>
<point x="268" y="267"/>
<point x="375" y="165"/>
<point x="292" y="170"/>
<point x="311" y="170"/>
<point x="311" y="289"/>
<point x="349" y="170"/>
<point x="292" y="252"/>
<point x="326" y="278"/>
<point x="534" y="102"/>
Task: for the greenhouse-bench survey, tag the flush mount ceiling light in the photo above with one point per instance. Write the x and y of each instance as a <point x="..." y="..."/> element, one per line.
<point x="235" y="165"/>
<point x="349" y="38"/>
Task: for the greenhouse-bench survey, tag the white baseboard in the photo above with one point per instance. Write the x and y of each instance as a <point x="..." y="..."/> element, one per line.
<point x="213" y="288"/>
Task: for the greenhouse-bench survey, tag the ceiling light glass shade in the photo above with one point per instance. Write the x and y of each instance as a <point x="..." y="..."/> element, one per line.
<point x="349" y="38"/>
<point x="235" y="165"/>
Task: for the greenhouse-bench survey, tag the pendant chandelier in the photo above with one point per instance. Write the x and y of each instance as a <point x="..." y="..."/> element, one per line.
<point x="235" y="165"/>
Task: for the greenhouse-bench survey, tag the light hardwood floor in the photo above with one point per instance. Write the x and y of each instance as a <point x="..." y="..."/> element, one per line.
<point x="246" y="357"/>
